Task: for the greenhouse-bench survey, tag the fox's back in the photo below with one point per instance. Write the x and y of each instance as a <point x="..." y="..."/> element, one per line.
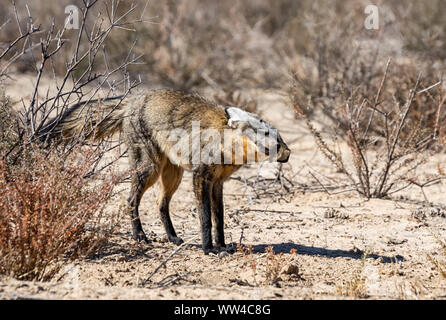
<point x="154" y="116"/>
<point x="169" y="109"/>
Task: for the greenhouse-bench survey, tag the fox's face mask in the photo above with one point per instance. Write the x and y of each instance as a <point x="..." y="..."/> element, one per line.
<point x="259" y="134"/>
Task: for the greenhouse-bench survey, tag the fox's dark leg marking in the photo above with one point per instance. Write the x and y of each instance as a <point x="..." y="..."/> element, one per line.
<point x="171" y="176"/>
<point x="202" y="190"/>
<point x="136" y="192"/>
<point x="218" y="215"/>
<point x="146" y="175"/>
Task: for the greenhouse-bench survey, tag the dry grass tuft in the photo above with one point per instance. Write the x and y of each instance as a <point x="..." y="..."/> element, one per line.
<point x="355" y="287"/>
<point x="439" y="263"/>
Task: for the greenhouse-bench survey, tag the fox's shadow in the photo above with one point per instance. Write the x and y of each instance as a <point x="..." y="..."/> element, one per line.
<point x="316" y="251"/>
<point x="135" y="252"/>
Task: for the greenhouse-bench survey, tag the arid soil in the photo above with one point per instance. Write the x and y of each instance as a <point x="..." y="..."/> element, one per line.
<point x="325" y="246"/>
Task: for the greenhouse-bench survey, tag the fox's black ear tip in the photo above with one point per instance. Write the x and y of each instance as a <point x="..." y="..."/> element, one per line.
<point x="285" y="156"/>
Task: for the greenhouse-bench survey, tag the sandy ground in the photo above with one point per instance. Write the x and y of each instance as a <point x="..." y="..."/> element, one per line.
<point x="345" y="246"/>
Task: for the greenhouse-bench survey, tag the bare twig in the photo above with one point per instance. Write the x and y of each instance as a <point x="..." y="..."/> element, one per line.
<point x="181" y="246"/>
<point x="84" y="77"/>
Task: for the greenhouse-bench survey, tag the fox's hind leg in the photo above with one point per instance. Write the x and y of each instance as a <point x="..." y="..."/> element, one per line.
<point x="171" y="176"/>
<point x="145" y="175"/>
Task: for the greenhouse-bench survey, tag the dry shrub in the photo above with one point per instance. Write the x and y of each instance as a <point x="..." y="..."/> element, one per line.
<point x="386" y="132"/>
<point x="330" y="52"/>
<point x="253" y="43"/>
<point x="248" y="253"/>
<point x="337" y="81"/>
<point x="50" y="213"/>
<point x="425" y="26"/>
<point x="46" y="16"/>
<point x="189" y="44"/>
<point x="174" y="47"/>
<point x="274" y="264"/>
<point x="278" y="265"/>
<point x="199" y="43"/>
<point x="334" y="57"/>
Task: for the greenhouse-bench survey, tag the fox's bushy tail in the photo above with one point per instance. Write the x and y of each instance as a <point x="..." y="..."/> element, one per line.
<point x="94" y="119"/>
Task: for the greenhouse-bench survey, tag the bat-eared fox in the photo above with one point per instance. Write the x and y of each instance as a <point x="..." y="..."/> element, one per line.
<point x="169" y="131"/>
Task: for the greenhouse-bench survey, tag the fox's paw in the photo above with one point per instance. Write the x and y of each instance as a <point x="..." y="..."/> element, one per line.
<point x="175" y="240"/>
<point x="220" y="251"/>
<point x="229" y="248"/>
<point x="209" y="250"/>
<point x="140" y="237"/>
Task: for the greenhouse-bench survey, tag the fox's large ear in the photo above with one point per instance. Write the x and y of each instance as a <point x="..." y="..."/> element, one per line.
<point x="237" y="118"/>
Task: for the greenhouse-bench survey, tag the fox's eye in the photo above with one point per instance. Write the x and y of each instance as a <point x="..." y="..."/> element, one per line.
<point x="262" y="131"/>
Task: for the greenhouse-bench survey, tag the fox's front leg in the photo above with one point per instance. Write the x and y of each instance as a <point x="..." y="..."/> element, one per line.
<point x="218" y="218"/>
<point x="202" y="190"/>
<point x="218" y="215"/>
